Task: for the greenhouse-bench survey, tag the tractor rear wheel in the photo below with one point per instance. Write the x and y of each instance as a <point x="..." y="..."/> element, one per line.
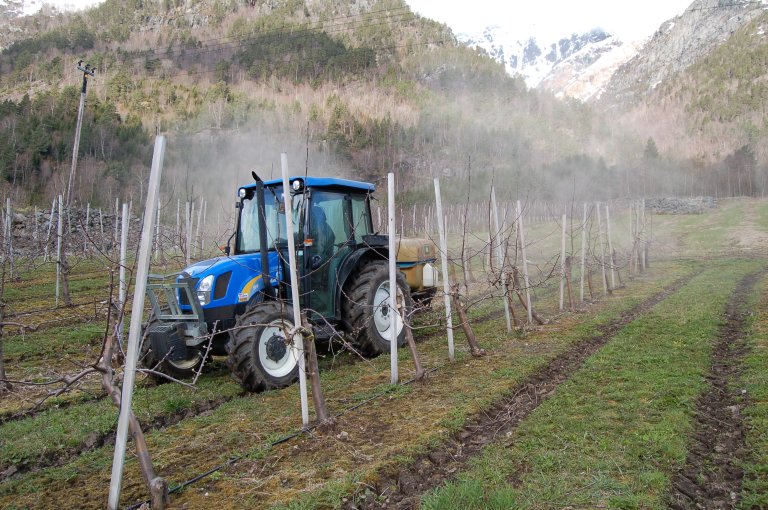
<point x="176" y="368"/>
<point x="258" y="355"/>
<point x="366" y="308"/>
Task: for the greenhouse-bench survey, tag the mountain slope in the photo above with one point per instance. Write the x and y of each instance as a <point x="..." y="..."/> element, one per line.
<point x="679" y="43"/>
<point x="361" y="88"/>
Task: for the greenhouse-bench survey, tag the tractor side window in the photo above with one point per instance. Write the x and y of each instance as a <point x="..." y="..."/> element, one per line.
<point x="361" y="221"/>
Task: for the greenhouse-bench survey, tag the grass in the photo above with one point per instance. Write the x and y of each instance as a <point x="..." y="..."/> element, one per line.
<point x="53" y="343"/>
<point x="382" y="434"/>
<point x="755" y="379"/>
<point x="614" y="433"/>
<point x="58" y="431"/>
<point x="761" y="211"/>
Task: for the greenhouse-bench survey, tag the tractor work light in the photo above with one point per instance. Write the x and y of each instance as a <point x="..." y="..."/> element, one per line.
<point x="296" y="185"/>
<point x="204" y="290"/>
<point x="241" y="192"/>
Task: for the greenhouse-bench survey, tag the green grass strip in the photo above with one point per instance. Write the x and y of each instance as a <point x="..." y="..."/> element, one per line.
<point x="755" y="381"/>
<point x="53" y="343"/>
<point x="613" y="434"/>
<point x="56" y="431"/>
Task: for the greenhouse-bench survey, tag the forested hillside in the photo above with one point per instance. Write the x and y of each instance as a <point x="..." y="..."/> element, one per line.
<point x="351" y="89"/>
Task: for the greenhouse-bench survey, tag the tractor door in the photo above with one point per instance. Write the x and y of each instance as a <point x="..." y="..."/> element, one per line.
<point x="327" y="245"/>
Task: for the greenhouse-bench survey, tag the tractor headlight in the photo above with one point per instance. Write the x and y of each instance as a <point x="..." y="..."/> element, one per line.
<point x="204" y="290"/>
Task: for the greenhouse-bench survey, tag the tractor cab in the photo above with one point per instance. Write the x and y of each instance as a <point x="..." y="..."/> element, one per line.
<point x="331" y="221"/>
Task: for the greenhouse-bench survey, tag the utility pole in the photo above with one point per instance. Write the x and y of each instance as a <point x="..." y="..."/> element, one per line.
<point x="87" y="71"/>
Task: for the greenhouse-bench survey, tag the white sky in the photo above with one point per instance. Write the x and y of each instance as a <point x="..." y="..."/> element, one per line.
<point x="551" y="19"/>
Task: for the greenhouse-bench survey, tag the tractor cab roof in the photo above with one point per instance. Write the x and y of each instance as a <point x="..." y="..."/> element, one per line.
<point x="322" y="182"/>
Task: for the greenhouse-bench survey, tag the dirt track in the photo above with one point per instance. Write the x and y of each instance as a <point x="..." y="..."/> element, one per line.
<point x="711" y="477"/>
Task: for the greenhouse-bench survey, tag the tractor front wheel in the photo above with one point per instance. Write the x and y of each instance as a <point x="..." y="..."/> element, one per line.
<point x="366" y="308"/>
<point x="259" y="356"/>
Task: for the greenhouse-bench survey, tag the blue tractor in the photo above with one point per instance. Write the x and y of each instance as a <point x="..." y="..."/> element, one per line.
<point x="242" y="300"/>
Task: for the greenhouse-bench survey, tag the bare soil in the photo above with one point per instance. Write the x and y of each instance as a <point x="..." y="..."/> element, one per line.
<point x="711" y="477"/>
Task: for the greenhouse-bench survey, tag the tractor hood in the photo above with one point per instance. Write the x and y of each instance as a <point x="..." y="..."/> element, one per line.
<point x="220" y="265"/>
<point x="235" y="279"/>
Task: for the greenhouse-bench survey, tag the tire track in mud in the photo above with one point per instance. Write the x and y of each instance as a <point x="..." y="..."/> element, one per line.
<point x="403" y="489"/>
<point x="711" y="477"/>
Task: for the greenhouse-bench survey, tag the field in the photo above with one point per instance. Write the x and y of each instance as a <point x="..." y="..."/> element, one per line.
<point x="653" y="396"/>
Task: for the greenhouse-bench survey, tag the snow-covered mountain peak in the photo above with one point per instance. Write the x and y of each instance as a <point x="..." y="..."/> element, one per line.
<point x="557" y="65"/>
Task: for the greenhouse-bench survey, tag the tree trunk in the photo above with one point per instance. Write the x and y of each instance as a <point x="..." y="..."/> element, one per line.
<point x="510" y="300"/>
<point x="474" y="347"/>
<point x="65" y="275"/>
<point x="568" y="268"/>
<point x="516" y="278"/>
<point x="313" y="371"/>
<point x="420" y="373"/>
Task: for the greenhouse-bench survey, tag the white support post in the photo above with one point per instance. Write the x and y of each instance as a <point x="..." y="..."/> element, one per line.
<point x="85" y="228"/>
<point x="177" y="233"/>
<point x="527" y="280"/>
<point x="562" y="266"/>
<point x="202" y="231"/>
<point x="197" y="232"/>
<point x="298" y="342"/>
<point x="610" y="246"/>
<point x="59" y="238"/>
<point x="35" y="235"/>
<point x="101" y="228"/>
<point x="50" y="227"/>
<point x="9" y="234"/>
<point x="157" y="229"/>
<point x="134" y="333"/>
<point x="444" y="263"/>
<point x="115" y="238"/>
<point x="392" y="277"/>
<point x="123" y="284"/>
<point x="602" y="247"/>
<point x="583" y="252"/>
<point x="188" y="232"/>
<point x="500" y="258"/>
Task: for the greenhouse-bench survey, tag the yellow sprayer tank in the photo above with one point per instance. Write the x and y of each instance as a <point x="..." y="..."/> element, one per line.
<point x="416" y="259"/>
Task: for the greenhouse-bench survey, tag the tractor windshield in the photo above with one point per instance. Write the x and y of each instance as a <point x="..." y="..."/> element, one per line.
<point x="274" y="212"/>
